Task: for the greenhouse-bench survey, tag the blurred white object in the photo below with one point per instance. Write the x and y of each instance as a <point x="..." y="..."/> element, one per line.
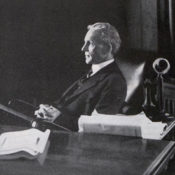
<point x="133" y="125"/>
<point x="32" y="141"/>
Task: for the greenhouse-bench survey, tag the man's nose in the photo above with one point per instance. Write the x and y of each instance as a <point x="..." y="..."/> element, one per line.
<point x="84" y="48"/>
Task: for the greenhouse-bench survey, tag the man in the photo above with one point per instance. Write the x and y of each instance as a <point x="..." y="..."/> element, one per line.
<point x="104" y="90"/>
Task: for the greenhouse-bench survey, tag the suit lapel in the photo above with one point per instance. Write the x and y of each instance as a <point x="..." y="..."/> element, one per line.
<point x="87" y="84"/>
<point x="69" y="89"/>
<point x="94" y="80"/>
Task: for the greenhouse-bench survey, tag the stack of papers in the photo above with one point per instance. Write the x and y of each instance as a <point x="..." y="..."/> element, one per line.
<point x="30" y="141"/>
<point x="119" y="124"/>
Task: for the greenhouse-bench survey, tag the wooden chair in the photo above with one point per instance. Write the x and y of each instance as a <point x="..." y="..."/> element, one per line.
<point x="134" y="76"/>
<point x="168" y="94"/>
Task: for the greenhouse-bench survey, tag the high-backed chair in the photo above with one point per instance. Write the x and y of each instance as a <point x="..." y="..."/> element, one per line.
<point x="168" y="93"/>
<point x="134" y="76"/>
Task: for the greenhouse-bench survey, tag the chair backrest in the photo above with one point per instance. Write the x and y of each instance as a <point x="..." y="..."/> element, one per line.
<point x="168" y="94"/>
<point x="133" y="74"/>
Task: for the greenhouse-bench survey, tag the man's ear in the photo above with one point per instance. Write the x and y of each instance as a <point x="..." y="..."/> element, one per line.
<point x="107" y="50"/>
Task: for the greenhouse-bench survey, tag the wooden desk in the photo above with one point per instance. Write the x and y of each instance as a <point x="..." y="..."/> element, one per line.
<point x="169" y="133"/>
<point x="92" y="154"/>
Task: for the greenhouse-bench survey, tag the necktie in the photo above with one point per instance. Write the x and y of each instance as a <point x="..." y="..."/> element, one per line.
<point x="85" y="77"/>
<point x="89" y="73"/>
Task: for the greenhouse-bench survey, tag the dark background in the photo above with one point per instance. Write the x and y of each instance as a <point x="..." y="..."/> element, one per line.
<point x="40" y="41"/>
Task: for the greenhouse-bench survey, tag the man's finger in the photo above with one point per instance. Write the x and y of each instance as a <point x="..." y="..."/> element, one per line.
<point x="44" y="106"/>
<point x="46" y="113"/>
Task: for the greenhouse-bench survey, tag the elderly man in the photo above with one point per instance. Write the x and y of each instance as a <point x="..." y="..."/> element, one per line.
<point x="103" y="90"/>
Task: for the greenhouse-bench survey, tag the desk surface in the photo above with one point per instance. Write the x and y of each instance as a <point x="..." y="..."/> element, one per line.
<point x="88" y="154"/>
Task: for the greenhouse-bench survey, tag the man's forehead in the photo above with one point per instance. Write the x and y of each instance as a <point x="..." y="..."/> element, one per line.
<point x="93" y="35"/>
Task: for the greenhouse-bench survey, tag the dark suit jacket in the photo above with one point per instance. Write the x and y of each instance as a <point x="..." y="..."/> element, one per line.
<point x="105" y="92"/>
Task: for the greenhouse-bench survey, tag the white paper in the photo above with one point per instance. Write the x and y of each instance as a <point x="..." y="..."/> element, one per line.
<point x="119" y="124"/>
<point x="32" y="141"/>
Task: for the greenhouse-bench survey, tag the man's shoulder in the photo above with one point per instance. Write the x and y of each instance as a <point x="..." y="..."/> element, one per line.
<point x="111" y="74"/>
<point x="111" y="68"/>
<point x="114" y="72"/>
<point x="115" y="78"/>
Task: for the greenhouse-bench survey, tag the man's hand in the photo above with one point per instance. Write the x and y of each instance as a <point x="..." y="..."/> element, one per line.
<point x="47" y="112"/>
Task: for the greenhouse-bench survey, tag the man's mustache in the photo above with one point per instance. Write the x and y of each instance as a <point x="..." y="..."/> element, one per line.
<point x="87" y="54"/>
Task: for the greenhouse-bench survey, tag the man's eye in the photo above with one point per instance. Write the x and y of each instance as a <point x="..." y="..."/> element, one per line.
<point x="86" y="44"/>
<point x="92" y="44"/>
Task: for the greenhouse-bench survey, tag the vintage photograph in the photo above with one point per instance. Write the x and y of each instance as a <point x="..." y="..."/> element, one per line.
<point x="87" y="87"/>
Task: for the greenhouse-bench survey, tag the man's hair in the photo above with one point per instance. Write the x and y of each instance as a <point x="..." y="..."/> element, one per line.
<point x="108" y="34"/>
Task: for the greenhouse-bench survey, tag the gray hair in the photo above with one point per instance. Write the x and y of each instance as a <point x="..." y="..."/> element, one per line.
<point x="108" y="33"/>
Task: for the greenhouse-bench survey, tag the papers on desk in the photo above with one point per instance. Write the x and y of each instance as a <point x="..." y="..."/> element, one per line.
<point x="27" y="143"/>
<point x="119" y="124"/>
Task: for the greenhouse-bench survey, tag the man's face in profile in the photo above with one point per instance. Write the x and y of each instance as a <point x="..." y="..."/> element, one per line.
<point x="96" y="50"/>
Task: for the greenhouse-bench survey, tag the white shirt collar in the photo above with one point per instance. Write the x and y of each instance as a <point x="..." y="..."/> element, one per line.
<point x="97" y="67"/>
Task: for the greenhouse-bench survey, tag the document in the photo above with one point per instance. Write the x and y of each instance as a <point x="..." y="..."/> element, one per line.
<point x="119" y="124"/>
<point x="20" y="143"/>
